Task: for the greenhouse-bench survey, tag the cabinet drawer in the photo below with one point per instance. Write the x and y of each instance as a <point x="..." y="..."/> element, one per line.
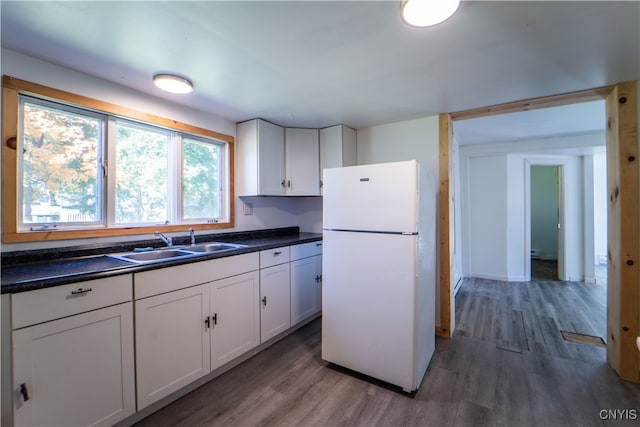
<point x="274" y="256"/>
<point x="155" y="282"/>
<point x="305" y="250"/>
<point x="42" y="305"/>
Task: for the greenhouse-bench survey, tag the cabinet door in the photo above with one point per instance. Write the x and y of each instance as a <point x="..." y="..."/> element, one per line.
<point x="271" y="159"/>
<point x="76" y="371"/>
<point x="304" y="289"/>
<point x="302" y="162"/>
<point x="235" y="314"/>
<point x="274" y="301"/>
<point x="337" y="147"/>
<point x="172" y="342"/>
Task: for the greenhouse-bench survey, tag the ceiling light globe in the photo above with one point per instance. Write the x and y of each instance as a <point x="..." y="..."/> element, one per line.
<point x="172" y="83"/>
<point x="425" y="13"/>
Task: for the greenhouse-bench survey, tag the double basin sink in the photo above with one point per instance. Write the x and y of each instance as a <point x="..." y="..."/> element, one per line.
<point x="147" y="256"/>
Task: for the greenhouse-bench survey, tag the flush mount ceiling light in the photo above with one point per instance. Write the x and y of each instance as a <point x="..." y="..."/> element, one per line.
<point x="173" y="83"/>
<point x="425" y="13"/>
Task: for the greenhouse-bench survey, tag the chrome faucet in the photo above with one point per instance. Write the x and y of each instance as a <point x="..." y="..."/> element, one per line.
<point x="167" y="240"/>
<point x="193" y="236"/>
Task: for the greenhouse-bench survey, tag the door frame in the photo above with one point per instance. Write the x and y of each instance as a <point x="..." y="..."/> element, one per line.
<point x="623" y="219"/>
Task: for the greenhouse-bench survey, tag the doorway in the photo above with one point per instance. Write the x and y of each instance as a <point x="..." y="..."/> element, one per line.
<point x="545" y="222"/>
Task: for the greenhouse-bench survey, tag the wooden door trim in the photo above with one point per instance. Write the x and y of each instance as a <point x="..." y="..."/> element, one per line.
<point x="623" y="307"/>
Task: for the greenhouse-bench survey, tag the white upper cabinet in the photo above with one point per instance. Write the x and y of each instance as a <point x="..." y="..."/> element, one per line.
<point x="261" y="159"/>
<point x="273" y="161"/>
<point x="337" y="147"/>
<point x="302" y="162"/>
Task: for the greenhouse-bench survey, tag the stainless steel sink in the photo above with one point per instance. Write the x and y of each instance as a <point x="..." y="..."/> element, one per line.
<point x="166" y="254"/>
<point x="153" y="256"/>
<point x="212" y="247"/>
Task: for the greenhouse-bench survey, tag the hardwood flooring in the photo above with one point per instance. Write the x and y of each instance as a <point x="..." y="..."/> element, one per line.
<point x="507" y="365"/>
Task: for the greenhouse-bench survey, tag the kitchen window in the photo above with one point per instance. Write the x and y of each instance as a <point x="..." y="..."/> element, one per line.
<point x="75" y="167"/>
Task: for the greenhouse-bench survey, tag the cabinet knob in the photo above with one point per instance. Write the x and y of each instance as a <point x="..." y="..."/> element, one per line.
<point x="282" y="183"/>
<point x="264" y="301"/>
<point x="289" y="184"/>
<point x="214" y="318"/>
<point x="207" y="322"/>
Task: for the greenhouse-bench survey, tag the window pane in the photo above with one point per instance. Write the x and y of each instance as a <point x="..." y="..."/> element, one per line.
<point x="60" y="180"/>
<point x="201" y="179"/>
<point x="142" y="194"/>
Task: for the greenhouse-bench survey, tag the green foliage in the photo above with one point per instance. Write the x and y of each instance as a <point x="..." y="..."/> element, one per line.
<point x="142" y="181"/>
<point x="201" y="186"/>
<point x="60" y="163"/>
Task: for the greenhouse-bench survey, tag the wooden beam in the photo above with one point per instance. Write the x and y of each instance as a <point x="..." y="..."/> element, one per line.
<point x="623" y="278"/>
<point x="445" y="224"/>
<point x="535" y="103"/>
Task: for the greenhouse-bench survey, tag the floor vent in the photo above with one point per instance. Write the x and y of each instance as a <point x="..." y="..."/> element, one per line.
<point x="583" y="339"/>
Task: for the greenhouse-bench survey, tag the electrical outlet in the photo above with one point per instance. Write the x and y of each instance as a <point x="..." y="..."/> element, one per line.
<point x="248" y="209"/>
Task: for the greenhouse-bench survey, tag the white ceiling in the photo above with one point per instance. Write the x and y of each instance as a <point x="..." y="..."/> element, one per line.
<point x="315" y="64"/>
<point x="583" y="118"/>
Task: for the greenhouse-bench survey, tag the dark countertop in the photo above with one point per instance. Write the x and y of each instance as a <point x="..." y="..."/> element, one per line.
<point x="29" y="270"/>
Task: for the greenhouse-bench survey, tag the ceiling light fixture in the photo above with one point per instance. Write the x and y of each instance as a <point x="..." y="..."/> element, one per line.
<point x="173" y="83"/>
<point x="425" y="13"/>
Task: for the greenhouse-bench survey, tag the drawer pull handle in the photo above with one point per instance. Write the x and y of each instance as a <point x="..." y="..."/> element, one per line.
<point x="277" y="253"/>
<point x="24" y="392"/>
<point x="318" y="244"/>
<point x="264" y="301"/>
<point x="81" y="291"/>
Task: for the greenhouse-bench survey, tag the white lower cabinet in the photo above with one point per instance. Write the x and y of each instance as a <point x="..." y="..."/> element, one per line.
<point x="172" y="342"/>
<point x="306" y="288"/>
<point x="77" y="370"/>
<point x="275" y="301"/>
<point x="235" y="317"/>
<point x="206" y="316"/>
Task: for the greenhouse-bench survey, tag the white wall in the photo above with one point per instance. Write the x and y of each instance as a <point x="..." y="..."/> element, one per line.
<point x="407" y="140"/>
<point x="600" y="205"/>
<point x="511" y="243"/>
<point x="412" y="139"/>
<point x="267" y="212"/>
<point x="486" y="219"/>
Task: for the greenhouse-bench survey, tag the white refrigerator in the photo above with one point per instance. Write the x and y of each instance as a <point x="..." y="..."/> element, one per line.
<point x="378" y="270"/>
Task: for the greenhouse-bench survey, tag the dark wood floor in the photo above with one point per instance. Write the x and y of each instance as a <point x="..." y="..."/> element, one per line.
<point x="507" y="365"/>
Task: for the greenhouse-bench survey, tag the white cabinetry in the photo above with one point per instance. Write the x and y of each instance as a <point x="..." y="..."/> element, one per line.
<point x="261" y="159"/>
<point x="273" y="161"/>
<point x="172" y="342"/>
<point x="73" y="354"/>
<point x="306" y="281"/>
<point x="204" y="315"/>
<point x="302" y="162"/>
<point x="235" y="317"/>
<point x="337" y="147"/>
<point x="275" y="299"/>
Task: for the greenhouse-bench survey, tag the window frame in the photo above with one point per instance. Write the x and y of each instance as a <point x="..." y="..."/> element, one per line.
<point x="12" y="87"/>
<point x="101" y="181"/>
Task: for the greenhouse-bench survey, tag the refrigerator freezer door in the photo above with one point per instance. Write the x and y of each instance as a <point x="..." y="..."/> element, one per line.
<point x="378" y="197"/>
<point x="368" y="304"/>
